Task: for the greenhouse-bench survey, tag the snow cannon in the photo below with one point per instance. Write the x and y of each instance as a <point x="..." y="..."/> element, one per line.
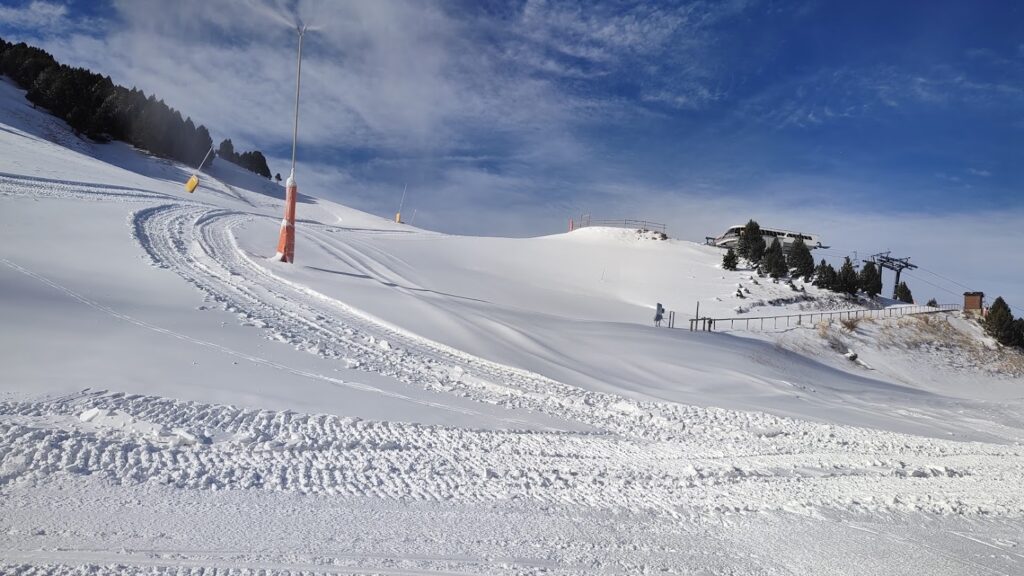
<point x="193" y="181"/>
<point x="286" y="242"/>
<point x="191" y="184"/>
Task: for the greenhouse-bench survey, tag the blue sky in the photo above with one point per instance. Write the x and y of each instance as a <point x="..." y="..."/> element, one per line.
<point x="873" y="124"/>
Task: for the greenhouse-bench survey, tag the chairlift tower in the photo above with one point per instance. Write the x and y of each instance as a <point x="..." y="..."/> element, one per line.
<point x="897" y="265"/>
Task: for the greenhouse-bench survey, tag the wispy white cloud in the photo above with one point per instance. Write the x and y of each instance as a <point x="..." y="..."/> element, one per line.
<point x="36" y="15"/>
<point x="949" y="177"/>
<point x="835" y="94"/>
<point x="668" y="53"/>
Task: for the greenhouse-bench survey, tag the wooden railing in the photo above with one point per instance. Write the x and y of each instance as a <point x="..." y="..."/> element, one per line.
<point x="585" y="221"/>
<point x="709" y="324"/>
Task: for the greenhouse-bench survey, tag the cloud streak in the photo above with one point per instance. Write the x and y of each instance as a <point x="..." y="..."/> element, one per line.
<point x="35" y="15"/>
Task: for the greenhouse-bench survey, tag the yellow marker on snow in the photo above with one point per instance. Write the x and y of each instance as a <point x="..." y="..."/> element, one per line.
<point x="398" y="215"/>
<point x="193" y="181"/>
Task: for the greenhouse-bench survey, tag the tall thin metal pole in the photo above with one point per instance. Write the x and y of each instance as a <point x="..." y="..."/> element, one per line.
<point x="286" y="240"/>
<point x="298" y="87"/>
<point x="208" y="152"/>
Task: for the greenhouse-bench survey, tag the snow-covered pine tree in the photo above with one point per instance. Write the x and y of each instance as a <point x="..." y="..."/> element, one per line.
<point x="729" y="260"/>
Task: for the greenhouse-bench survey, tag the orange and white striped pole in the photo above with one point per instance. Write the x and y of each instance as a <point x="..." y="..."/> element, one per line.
<point x="286" y="242"/>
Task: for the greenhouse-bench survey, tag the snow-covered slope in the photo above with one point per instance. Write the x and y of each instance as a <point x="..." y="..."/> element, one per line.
<point x="404" y="401"/>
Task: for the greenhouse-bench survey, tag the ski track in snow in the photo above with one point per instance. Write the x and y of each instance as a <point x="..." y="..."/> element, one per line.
<point x="668" y="460"/>
<point x="12" y="185"/>
<point x="133" y="439"/>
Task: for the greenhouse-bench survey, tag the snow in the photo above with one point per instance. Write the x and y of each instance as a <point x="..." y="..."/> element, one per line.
<point x="401" y="401"/>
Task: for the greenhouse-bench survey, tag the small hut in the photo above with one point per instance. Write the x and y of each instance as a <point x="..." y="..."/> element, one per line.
<point x="974" y="303"/>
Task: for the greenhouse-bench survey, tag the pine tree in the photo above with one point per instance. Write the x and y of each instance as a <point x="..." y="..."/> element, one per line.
<point x="831" y="281"/>
<point x="847" y="279"/>
<point x="255" y="162"/>
<point x="999" y="322"/>
<point x="932" y="303"/>
<point x="903" y="293"/>
<point x="226" y="150"/>
<point x="800" y="260"/>
<point x="751" y="243"/>
<point x="205" y="143"/>
<point x="1018" y="332"/>
<point x="729" y="260"/>
<point x="870" y="280"/>
<point x="823" y="276"/>
<point x="774" y="260"/>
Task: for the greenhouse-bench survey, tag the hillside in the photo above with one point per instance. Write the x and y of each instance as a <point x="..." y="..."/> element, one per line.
<point x="402" y="401"/>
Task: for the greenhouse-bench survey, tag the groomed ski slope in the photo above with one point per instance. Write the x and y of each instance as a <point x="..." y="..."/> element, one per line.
<point x="406" y="402"/>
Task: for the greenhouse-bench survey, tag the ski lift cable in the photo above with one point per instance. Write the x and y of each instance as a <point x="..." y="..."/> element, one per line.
<point x="950" y="280"/>
<point x="908" y="275"/>
<point x="944" y="278"/>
